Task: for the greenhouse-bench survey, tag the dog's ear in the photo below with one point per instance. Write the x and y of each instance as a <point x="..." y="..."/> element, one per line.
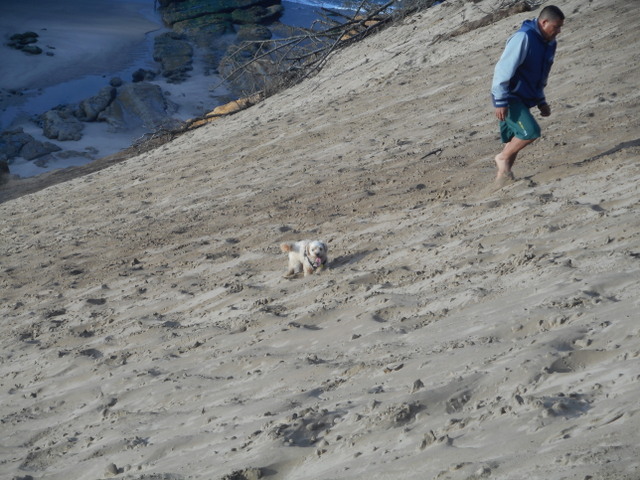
<point x="324" y="246"/>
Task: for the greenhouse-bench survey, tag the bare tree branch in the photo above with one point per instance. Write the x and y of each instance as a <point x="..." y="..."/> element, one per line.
<point x="270" y="65"/>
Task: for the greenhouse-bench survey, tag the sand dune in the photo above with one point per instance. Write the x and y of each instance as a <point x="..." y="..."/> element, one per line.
<point x="461" y="332"/>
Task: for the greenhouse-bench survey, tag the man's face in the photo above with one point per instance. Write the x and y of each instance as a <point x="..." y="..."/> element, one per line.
<point x="550" y="28"/>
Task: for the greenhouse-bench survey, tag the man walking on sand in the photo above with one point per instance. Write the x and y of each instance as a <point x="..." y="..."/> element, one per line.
<point x="518" y="85"/>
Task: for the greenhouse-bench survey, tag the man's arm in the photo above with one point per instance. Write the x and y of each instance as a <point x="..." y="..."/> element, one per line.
<point x="512" y="57"/>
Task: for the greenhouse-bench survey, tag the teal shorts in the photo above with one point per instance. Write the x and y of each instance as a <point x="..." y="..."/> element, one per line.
<point x="519" y="123"/>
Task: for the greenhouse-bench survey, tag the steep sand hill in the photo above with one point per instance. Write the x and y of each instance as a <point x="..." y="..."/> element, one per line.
<point x="461" y="332"/>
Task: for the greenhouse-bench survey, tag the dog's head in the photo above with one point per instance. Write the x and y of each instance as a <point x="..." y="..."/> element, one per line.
<point x="317" y="252"/>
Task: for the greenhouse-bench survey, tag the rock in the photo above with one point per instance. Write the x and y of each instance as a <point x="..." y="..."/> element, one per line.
<point x="12" y="141"/>
<point x="116" y="82"/>
<point x="43" y="162"/>
<point x="139" y="104"/>
<point x="32" y="49"/>
<point x="112" y="470"/>
<point x="191" y="9"/>
<point x="61" y="124"/>
<point x="90" y="108"/>
<point x="142" y="75"/>
<point x="35" y="149"/>
<point x="24" y="38"/>
<point x="207" y="24"/>
<point x="175" y="55"/>
<point x="24" y="42"/>
<point x="417" y="385"/>
<point x="213" y="23"/>
<point x="257" y="14"/>
<point x="19" y="40"/>
<point x="245" y="474"/>
<point x="212" y="34"/>
<point x="16" y="143"/>
<point x="252" y="33"/>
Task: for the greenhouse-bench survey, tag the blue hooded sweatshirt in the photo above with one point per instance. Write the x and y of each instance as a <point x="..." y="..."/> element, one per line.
<point x="523" y="68"/>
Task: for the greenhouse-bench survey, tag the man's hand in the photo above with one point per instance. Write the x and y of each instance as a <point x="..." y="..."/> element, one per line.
<point x="501" y="113"/>
<point x="545" y="110"/>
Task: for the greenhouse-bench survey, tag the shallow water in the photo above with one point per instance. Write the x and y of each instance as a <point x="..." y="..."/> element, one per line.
<point x="194" y="96"/>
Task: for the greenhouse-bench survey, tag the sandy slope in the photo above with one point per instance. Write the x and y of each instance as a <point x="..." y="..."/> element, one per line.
<point x="460" y="333"/>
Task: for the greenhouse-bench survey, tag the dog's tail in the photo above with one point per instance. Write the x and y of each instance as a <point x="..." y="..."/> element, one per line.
<point x="286" y="247"/>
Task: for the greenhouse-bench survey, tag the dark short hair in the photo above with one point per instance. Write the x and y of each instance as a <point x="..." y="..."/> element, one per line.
<point x="551" y="12"/>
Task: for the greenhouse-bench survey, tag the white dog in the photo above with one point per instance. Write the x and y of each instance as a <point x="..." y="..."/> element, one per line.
<point x="305" y="255"/>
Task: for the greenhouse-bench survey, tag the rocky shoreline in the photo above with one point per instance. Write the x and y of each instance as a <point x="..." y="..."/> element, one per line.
<point x="196" y="29"/>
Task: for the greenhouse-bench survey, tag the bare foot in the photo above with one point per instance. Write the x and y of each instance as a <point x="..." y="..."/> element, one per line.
<point x="504" y="179"/>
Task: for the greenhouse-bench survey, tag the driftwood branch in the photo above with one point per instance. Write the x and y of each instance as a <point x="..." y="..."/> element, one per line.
<point x="270" y="65"/>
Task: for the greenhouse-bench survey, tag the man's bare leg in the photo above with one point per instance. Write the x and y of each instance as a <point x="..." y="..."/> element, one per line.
<point x="506" y="158"/>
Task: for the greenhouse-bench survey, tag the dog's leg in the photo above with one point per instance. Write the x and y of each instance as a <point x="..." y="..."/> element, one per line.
<point x="293" y="266"/>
